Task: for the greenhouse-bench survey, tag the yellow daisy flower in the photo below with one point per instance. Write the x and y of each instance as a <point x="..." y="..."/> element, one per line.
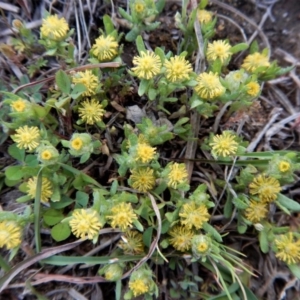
<point x="142" y="179"/>
<point x="132" y="243"/>
<point x="85" y="223"/>
<point x="91" y="111"/>
<point x="193" y="215"/>
<point x="89" y="80"/>
<point x="253" y="88"/>
<point x="19" y="105"/>
<point x="288" y="250"/>
<point x="177" y="69"/>
<point x="10" y="234"/>
<point x="177" y="175"/>
<point x="27" y="137"/>
<point x="139" y="7"/>
<point x="254" y="61"/>
<point x="147" y="65"/>
<point x="77" y="143"/>
<point x="122" y="216"/>
<point x="46" y="190"/>
<point x="209" y="86"/>
<point x="224" y="145"/>
<point x="54" y="28"/>
<point x="204" y="16"/>
<point x="105" y="47"/>
<point x="139" y="286"/>
<point x="267" y="188"/>
<point x="256" y="211"/>
<point x="284" y="166"/>
<point x="218" y="49"/>
<point x="201" y="245"/>
<point x="113" y="272"/>
<point x="145" y="153"/>
<point x="181" y="238"/>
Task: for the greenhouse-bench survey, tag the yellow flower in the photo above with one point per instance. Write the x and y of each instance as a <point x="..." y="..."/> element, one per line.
<point x="181" y="238"/>
<point x="85" y="223"/>
<point x="288" y="250"/>
<point x="89" y="80"/>
<point x="193" y="215"/>
<point x="105" y="47"/>
<point x="147" y="65"/>
<point x="122" y="216"/>
<point x="142" y="179"/>
<point x="91" y="111"/>
<point x="177" y="69"/>
<point x="27" y="137"/>
<point x="266" y="188"/>
<point x="19" y="105"/>
<point x="254" y="61"/>
<point x="177" y="175"/>
<point x="209" y="86"/>
<point x="10" y="234"/>
<point x="46" y="189"/>
<point x="139" y="7"/>
<point x="54" y="28"/>
<point x="138" y="286"/>
<point x="253" y="88"/>
<point x="204" y="16"/>
<point x="145" y="153"/>
<point x="284" y="166"/>
<point x="132" y="243"/>
<point x="113" y="272"/>
<point x="218" y="49"/>
<point x="224" y="144"/>
<point x="256" y="211"/>
<point x="77" y="143"/>
<point x="46" y="155"/>
<point x="201" y="245"/>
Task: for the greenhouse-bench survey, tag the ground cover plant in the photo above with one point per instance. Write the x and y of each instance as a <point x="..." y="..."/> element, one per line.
<point x="126" y="179"/>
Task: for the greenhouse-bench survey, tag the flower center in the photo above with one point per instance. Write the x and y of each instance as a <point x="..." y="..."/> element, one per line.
<point x="46" y="155"/>
<point x="77" y="144"/>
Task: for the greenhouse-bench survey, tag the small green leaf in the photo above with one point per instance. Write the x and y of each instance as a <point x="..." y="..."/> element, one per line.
<point x="14" y="172"/>
<point x="78" y="90"/>
<point x="108" y="24"/>
<point x="288" y="203"/>
<point x="143" y="87"/>
<point x="295" y="269"/>
<point x="82" y="199"/>
<point x="16" y="153"/>
<point x="239" y="47"/>
<point x="63" y="81"/>
<point x="140" y="44"/>
<point x="263" y="241"/>
<point x="147" y="236"/>
<point x="152" y="93"/>
<point x="53" y="216"/>
<point x="60" y="232"/>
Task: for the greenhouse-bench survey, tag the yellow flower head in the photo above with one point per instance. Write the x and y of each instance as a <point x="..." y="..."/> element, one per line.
<point x="27" y="137"/>
<point x="91" y="111"/>
<point x="288" y="250"/>
<point x="77" y="143"/>
<point x="122" y="216"/>
<point x="132" y="242"/>
<point x="139" y="7"/>
<point x="267" y="188"/>
<point x="193" y="215"/>
<point x="209" y="86"/>
<point x="177" y="175"/>
<point x="113" y="272"/>
<point x="147" y="65"/>
<point x="89" y="80"/>
<point x="46" y="190"/>
<point x="46" y="155"/>
<point x="145" y="153"/>
<point x="177" y="69"/>
<point x="85" y="223"/>
<point x="139" y="286"/>
<point x="10" y="234"/>
<point x="256" y="211"/>
<point x="105" y="47"/>
<point x="19" y="105"/>
<point x="142" y="179"/>
<point x="201" y="245"/>
<point x="54" y="28"/>
<point x="218" y="49"/>
<point x="253" y="88"/>
<point x="284" y="166"/>
<point x="181" y="238"/>
<point x="204" y="16"/>
<point x="254" y="61"/>
<point x="224" y="144"/>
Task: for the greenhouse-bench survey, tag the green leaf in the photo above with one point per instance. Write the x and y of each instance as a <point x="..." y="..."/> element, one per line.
<point x="63" y="81"/>
<point x="140" y="44"/>
<point x="203" y="4"/>
<point x="60" y="232"/>
<point x="78" y="90"/>
<point x="16" y="153"/>
<point x="239" y="47"/>
<point x="160" y="4"/>
<point x="64" y="202"/>
<point x="143" y="87"/>
<point x="124" y="14"/>
<point x="263" y="241"/>
<point x="147" y="236"/>
<point x="53" y="216"/>
<point x="295" y="269"/>
<point x="82" y="199"/>
<point x="152" y="93"/>
<point x="210" y="229"/>
<point x="108" y="24"/>
<point x="14" y="172"/>
<point x="288" y="203"/>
